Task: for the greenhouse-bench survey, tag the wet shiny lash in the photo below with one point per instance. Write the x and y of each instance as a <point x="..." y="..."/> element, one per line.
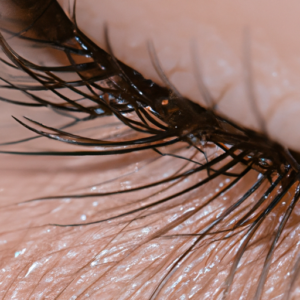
<point x="158" y="119"/>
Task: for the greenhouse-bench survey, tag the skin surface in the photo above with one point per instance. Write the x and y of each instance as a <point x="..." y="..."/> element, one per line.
<point x="126" y="258"/>
<point x="216" y="32"/>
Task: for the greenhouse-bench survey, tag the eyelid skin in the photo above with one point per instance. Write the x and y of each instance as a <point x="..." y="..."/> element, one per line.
<point x="217" y="28"/>
<point x="181" y="221"/>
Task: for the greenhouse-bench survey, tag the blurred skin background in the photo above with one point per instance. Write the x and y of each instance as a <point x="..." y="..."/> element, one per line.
<point x="126" y="259"/>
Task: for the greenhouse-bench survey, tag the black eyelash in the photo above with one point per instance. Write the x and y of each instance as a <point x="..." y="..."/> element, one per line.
<point x="156" y="117"/>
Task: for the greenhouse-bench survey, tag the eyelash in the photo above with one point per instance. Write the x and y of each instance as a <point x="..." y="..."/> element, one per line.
<point x="159" y="117"/>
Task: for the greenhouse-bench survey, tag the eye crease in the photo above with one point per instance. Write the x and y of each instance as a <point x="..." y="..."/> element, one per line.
<point x="193" y="206"/>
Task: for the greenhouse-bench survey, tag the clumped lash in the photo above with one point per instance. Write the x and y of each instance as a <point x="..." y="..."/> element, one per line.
<point x="157" y="119"/>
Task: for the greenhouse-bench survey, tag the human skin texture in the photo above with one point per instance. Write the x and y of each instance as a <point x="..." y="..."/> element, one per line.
<point x="216" y="36"/>
<point x="128" y="257"/>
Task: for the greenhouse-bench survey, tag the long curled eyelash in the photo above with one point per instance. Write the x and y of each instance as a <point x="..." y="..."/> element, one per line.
<point x="157" y="119"/>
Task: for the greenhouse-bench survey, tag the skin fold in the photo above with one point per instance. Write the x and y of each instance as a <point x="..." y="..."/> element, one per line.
<point x="126" y="258"/>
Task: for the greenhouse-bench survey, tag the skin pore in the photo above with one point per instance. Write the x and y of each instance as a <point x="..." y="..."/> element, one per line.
<point x="125" y="259"/>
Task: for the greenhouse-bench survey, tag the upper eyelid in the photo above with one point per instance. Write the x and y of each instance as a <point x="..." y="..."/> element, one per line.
<point x="269" y="62"/>
<point x="44" y="14"/>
